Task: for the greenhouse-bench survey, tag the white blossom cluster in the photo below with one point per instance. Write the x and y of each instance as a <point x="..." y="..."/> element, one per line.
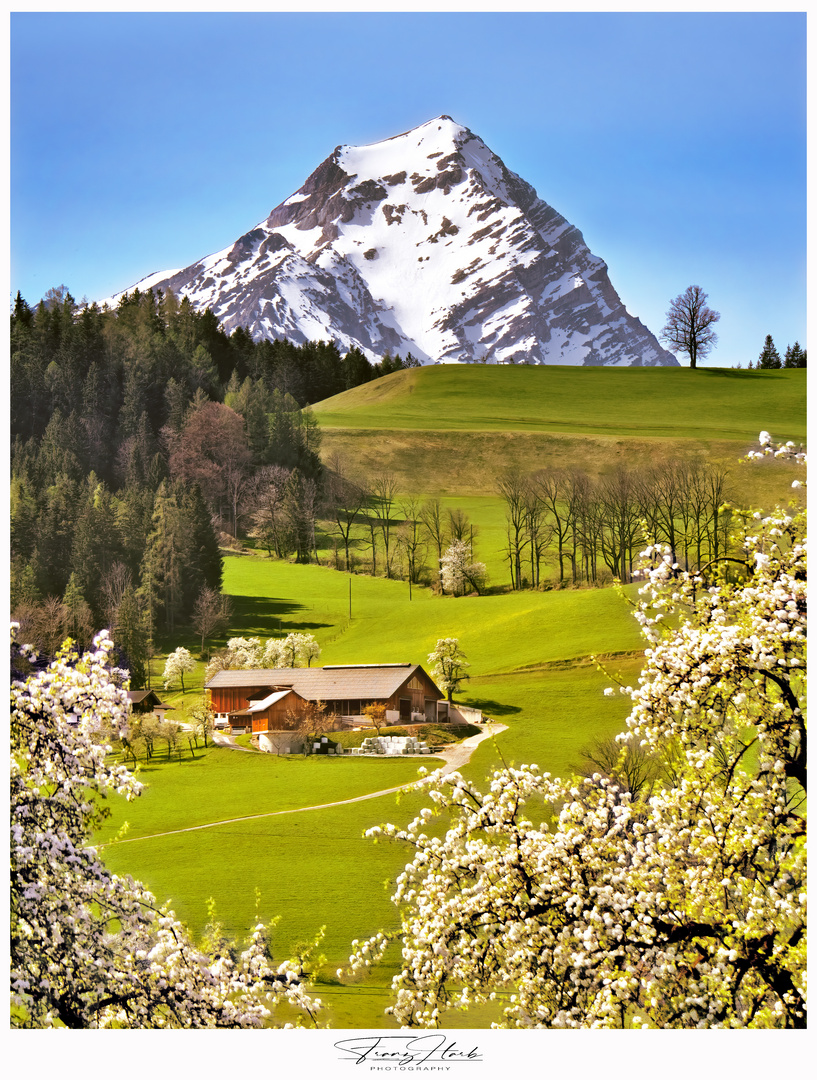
<point x="90" y="948"/>
<point x="178" y="662"/>
<point x="448" y="663"/>
<point x="457" y="570"/>
<point x="578" y="905"/>
<point x="787" y="450"/>
<point x="295" y="650"/>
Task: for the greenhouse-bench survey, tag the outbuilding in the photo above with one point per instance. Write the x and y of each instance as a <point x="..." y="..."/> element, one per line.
<point x="146" y="701"/>
<point x="264" y="699"/>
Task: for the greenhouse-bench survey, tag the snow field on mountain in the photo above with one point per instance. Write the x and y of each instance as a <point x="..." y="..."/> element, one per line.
<point x="412" y="147"/>
<point x="429" y="250"/>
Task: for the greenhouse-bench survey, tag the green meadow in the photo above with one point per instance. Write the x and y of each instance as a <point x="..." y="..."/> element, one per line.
<point x="641" y="402"/>
<point x="447" y="432"/>
<point x="530" y="671"/>
<point x="450" y="431"/>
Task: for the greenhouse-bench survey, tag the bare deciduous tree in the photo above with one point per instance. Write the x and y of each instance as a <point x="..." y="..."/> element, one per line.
<point x="513" y="488"/>
<point x="203" y="721"/>
<point x="688" y="328"/>
<point x="309" y="720"/>
<point x="431" y="515"/>
<point x="631" y="767"/>
<point x="269" y="519"/>
<point x="384" y="491"/>
<point x="410" y="539"/>
<point x="211" y="613"/>
<point x="345" y="500"/>
<point x="116" y="584"/>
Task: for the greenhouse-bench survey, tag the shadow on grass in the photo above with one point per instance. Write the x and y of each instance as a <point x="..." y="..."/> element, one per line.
<point x="731" y="373"/>
<point x="160" y="761"/>
<point x="268" y="616"/>
<point x="493" y="708"/>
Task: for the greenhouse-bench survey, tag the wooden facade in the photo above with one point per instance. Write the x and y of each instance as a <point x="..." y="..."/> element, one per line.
<point x="417" y="695"/>
<point x="344" y="690"/>
<point x="276" y="716"/>
<point x="228" y="699"/>
<point x="147" y="701"/>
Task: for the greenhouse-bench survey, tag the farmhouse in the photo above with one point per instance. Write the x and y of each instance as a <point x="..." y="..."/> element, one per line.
<point x="146" y="701"/>
<point x="259" y="699"/>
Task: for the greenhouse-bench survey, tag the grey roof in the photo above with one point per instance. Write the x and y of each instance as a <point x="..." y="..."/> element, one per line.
<point x="336" y="683"/>
<point x="137" y="697"/>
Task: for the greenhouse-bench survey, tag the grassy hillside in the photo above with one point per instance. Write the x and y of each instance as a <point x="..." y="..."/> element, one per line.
<point x="530" y="670"/>
<point x="499" y="633"/>
<point x="452" y="430"/>
<point x="448" y="432"/>
<point x="709" y="403"/>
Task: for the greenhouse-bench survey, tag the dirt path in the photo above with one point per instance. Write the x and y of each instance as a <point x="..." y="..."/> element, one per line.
<point x="454" y="759"/>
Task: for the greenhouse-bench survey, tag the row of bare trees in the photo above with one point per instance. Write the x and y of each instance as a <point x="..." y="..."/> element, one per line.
<point x="595" y="527"/>
<point x="366" y="522"/>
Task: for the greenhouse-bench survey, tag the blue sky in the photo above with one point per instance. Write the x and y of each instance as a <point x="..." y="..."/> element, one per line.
<point x="675" y="142"/>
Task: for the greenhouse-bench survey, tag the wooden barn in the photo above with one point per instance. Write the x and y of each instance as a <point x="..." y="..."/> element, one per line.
<point x="266" y="710"/>
<point x="259" y="699"/>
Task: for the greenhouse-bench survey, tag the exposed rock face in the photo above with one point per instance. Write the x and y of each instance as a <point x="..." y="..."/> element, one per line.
<point x="425" y="243"/>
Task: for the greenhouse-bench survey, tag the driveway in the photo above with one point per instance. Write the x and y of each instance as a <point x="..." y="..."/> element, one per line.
<point x="454" y="758"/>
<point x="460" y="755"/>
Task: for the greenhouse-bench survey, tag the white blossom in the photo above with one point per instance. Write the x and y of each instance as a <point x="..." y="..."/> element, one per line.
<point x="178" y="662"/>
<point x="90" y="948"/>
<point x="685" y="907"/>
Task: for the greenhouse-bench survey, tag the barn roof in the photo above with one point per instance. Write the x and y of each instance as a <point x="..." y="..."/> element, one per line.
<point x="139" y="697"/>
<point x="330" y="683"/>
<point x="270" y="699"/>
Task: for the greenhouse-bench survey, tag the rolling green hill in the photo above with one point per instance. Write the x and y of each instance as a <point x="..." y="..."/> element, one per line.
<point x="708" y="403"/>
<point x="451" y="430"/>
<point x="530" y="670"/>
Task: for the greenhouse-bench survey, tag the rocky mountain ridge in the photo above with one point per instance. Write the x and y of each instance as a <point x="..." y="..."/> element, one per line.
<point x="424" y="243"/>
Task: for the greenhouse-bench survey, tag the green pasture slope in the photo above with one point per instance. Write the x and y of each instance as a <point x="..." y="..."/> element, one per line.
<point x="441" y="430"/>
<point x="313" y="867"/>
<point x="644" y="402"/>
<point x="450" y="429"/>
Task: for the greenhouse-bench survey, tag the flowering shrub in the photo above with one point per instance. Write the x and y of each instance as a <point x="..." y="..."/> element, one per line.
<point x="782" y="450"/>
<point x="90" y="948"/>
<point x="587" y="906"/>
<point x="295" y="650"/>
<point x="448" y="663"/>
<point x="458" y="572"/>
<point x="177" y="663"/>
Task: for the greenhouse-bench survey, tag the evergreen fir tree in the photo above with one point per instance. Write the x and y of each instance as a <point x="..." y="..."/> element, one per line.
<point x="795" y="356"/>
<point x="163" y="565"/>
<point x="51" y="558"/>
<point x="205" y="562"/>
<point x="769" y="357"/>
<point x="23" y="584"/>
<point x="22" y="311"/>
<point x="80" y="621"/>
<point x="177" y="402"/>
<point x="96" y="544"/>
<point x="132" y="635"/>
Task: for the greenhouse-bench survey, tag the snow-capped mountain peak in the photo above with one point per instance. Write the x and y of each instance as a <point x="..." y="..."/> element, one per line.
<point x="424" y="243"/>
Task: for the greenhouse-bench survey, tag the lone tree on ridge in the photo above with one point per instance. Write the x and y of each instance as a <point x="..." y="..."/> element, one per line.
<point x="688" y="328"/>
